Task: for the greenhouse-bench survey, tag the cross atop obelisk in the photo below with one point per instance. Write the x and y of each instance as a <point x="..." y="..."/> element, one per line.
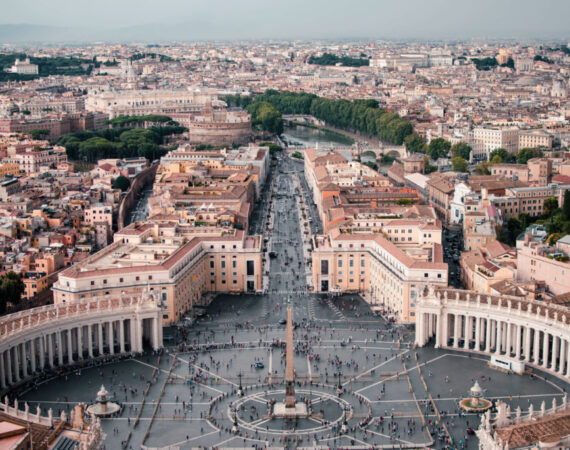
<point x="289" y="366"/>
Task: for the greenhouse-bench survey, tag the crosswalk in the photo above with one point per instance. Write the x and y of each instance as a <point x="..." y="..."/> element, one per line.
<point x="311" y="308"/>
<point x="337" y="311"/>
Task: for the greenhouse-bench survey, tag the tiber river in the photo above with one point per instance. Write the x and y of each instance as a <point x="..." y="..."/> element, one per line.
<point x="310" y="137"/>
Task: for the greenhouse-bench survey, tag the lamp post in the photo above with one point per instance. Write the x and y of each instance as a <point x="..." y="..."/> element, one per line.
<point x="339" y="388"/>
<point x="240" y="388"/>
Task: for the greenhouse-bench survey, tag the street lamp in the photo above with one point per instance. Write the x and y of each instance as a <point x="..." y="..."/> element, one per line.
<point x="240" y="388"/>
<point x="339" y="388"/>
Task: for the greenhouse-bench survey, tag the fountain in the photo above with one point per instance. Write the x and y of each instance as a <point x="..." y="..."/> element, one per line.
<point x="103" y="407"/>
<point x="476" y="403"/>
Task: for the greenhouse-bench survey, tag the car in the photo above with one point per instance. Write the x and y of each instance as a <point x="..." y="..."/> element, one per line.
<point x="258" y="365"/>
<point x="282" y="321"/>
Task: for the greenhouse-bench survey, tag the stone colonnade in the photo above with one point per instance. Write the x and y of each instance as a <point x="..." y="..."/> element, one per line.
<point x="61" y="335"/>
<point x="529" y="331"/>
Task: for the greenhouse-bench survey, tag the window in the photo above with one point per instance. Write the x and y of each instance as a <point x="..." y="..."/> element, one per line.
<point x="324" y="267"/>
<point x="223" y="265"/>
<point x="351" y="262"/>
<point x="104" y="281"/>
<point x="439" y="275"/>
<point x="120" y="280"/>
<point x="426" y="275"/>
<point x="250" y="268"/>
<point x="211" y="264"/>
<point x="234" y="264"/>
<point x="340" y="263"/>
<point x="92" y="283"/>
<point x="150" y="277"/>
<point x="362" y="263"/>
<point x="138" y="278"/>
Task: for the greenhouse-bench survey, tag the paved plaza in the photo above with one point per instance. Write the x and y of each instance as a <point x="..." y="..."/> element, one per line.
<point x="391" y="395"/>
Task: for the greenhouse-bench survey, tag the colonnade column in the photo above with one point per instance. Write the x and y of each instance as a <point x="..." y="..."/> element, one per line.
<point x="518" y="337"/>
<point x="122" y="335"/>
<point x="100" y="340"/>
<point x="467" y="333"/>
<point x="111" y="338"/>
<point x="509" y="337"/>
<point x="90" y="340"/>
<point x="457" y="318"/>
<point x="33" y="354"/>
<point x="488" y="335"/>
<point x="499" y="338"/>
<point x="545" y="345"/>
<point x="16" y="371"/>
<point x="80" y="343"/>
<point x="555" y="342"/>
<point x="70" y="346"/>
<point x="445" y="328"/>
<point x="59" y="348"/>
<point x="134" y="335"/>
<point x="155" y="334"/>
<point x="438" y="334"/>
<point x="24" y="360"/>
<point x="2" y="372"/>
<point x="9" y="375"/>
<point x="49" y="339"/>
<point x="42" y="351"/>
<point x="527" y="346"/>
<point x="536" y="347"/>
<point x="477" y="334"/>
<point x="567" y="373"/>
<point x="562" y="367"/>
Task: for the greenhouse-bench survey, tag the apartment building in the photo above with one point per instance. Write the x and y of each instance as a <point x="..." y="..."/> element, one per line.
<point x="488" y="139"/>
<point x="534" y="139"/>
<point x="540" y="262"/>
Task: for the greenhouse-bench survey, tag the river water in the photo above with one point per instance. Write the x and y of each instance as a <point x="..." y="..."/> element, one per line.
<point x="311" y="136"/>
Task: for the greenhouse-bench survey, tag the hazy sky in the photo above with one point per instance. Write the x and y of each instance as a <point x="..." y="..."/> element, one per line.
<point x="251" y="19"/>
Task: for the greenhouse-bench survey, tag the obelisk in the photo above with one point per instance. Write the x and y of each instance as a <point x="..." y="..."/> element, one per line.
<point x="289" y="364"/>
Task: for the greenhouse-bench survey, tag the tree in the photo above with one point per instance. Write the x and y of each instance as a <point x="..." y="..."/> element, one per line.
<point x="461" y="149"/>
<point x="525" y="154"/>
<point x="459" y="164"/>
<point x="496" y="160"/>
<point x="38" y="134"/>
<point x="429" y="168"/>
<point x="483" y="168"/>
<point x="549" y="206"/>
<point x="372" y="165"/>
<point x="11" y="289"/>
<point x="415" y="144"/>
<point x="506" y="157"/>
<point x="122" y="183"/>
<point x="404" y="201"/>
<point x="438" y="148"/>
<point x="566" y="204"/>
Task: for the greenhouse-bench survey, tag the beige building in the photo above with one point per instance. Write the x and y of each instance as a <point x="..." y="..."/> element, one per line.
<point x="390" y="277"/>
<point x="164" y="258"/>
<point x="489" y="139"/>
<point x="534" y="139"/>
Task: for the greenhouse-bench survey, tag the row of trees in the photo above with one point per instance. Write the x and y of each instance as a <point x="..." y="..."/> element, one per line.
<point x="265" y="116"/>
<point x="330" y="59"/>
<point x="154" y="118"/>
<point x="92" y="145"/>
<point x="363" y="116"/>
